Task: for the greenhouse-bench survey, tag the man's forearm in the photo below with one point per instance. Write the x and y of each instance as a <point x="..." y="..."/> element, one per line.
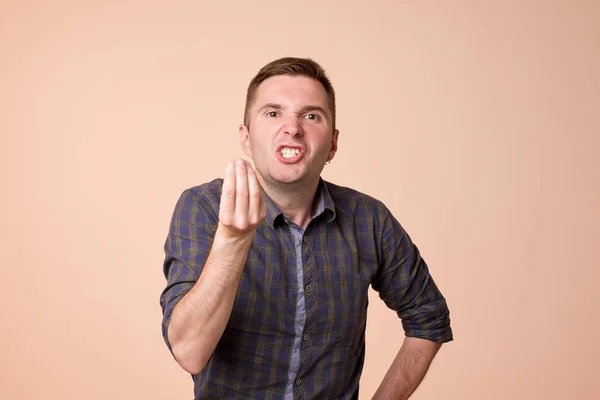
<point x="199" y="319"/>
<point x="408" y="369"/>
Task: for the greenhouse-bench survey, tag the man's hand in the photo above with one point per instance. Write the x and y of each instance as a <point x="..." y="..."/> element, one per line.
<point x="242" y="207"/>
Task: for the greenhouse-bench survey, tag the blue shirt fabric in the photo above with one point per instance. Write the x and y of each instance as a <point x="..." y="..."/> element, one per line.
<point x="297" y="328"/>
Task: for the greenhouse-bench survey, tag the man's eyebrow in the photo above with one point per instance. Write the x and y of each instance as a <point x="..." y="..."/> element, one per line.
<point x="270" y="105"/>
<point x="304" y="109"/>
<point x="314" y="108"/>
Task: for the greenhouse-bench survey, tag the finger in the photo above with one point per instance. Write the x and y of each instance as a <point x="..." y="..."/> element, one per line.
<point x="227" y="207"/>
<point x="255" y="200"/>
<point x="241" y="193"/>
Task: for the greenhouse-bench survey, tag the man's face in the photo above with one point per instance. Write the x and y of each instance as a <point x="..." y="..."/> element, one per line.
<point x="290" y="136"/>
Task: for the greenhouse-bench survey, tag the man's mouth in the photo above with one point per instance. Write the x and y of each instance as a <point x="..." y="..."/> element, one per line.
<point x="289" y="152"/>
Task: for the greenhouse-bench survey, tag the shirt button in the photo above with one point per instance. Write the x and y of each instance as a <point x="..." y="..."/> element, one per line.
<point x="298" y="381"/>
<point x="308" y="288"/>
<point x="305" y="239"/>
<point x="306" y="336"/>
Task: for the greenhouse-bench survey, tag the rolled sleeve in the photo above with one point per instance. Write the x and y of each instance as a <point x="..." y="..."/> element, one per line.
<point x="188" y="243"/>
<point x="406" y="286"/>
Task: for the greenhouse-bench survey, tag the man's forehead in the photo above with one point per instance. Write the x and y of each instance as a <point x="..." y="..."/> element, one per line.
<point x="291" y="89"/>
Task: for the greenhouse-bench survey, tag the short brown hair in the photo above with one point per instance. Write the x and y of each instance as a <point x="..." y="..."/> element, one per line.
<point x="292" y="66"/>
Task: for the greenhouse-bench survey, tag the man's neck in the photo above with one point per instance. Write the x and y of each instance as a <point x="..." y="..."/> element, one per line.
<point x="297" y="202"/>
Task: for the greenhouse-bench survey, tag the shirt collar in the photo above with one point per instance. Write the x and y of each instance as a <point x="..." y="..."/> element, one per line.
<point x="325" y="205"/>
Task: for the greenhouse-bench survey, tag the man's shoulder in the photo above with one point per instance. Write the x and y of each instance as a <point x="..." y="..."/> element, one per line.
<point x="209" y="190"/>
<point x="204" y="195"/>
<point x="350" y="199"/>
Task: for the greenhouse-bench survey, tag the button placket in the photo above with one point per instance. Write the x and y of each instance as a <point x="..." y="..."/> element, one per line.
<point x="309" y="293"/>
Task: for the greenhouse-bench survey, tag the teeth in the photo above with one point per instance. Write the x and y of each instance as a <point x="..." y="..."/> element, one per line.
<point x="289" y="153"/>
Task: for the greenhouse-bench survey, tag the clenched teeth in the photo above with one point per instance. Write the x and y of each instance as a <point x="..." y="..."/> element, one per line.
<point x="289" y="153"/>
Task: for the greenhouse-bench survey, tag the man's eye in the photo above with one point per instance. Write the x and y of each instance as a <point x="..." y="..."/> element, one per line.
<point x="272" y="114"/>
<point x="312" y="117"/>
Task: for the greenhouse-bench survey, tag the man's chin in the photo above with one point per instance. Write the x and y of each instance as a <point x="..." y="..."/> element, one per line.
<point x="288" y="179"/>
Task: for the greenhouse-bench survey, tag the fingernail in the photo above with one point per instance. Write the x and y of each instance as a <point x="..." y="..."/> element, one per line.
<point x="240" y="163"/>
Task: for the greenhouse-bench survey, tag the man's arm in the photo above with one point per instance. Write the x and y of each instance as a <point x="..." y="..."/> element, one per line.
<point x="406" y="286"/>
<point x="408" y="369"/>
<point x="199" y="318"/>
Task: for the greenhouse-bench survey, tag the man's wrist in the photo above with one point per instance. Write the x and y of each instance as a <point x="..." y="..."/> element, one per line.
<point x="229" y="239"/>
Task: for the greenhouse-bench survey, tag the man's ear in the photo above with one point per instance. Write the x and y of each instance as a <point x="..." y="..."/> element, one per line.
<point x="245" y="140"/>
<point x="334" y="145"/>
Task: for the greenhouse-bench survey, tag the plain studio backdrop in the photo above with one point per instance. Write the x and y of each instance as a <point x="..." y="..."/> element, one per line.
<point x="477" y="123"/>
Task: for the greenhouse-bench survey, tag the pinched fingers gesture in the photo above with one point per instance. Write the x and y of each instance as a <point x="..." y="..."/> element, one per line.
<point x="242" y="207"/>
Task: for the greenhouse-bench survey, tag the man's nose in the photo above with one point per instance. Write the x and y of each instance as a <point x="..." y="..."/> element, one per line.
<point x="292" y="126"/>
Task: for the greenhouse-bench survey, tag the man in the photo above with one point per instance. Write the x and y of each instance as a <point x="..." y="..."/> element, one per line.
<point x="268" y="269"/>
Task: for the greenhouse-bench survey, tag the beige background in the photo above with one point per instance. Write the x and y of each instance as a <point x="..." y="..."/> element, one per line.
<point x="476" y="122"/>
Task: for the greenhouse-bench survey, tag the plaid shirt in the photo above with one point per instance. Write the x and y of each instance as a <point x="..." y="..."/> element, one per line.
<point x="314" y="348"/>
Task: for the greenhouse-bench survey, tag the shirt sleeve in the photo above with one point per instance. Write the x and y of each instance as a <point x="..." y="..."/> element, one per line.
<point x="406" y="286"/>
<point x="188" y="243"/>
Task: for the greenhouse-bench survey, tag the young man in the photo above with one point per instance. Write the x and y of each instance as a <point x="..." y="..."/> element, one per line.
<point x="268" y="269"/>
